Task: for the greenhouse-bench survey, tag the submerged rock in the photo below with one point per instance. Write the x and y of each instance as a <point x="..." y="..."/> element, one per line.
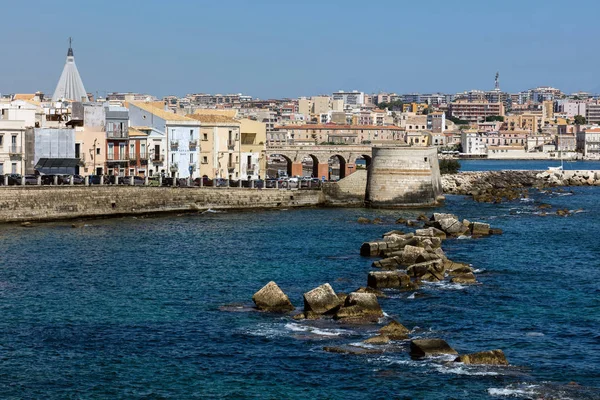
<point x="363" y="220"/>
<point x="466" y="278"/>
<point x="491" y="357"/>
<point x="377" y="340"/>
<point x="321" y="300"/>
<point x="480" y="229"/>
<point x="351" y="350"/>
<point x="395" y="331"/>
<point x="271" y="298"/>
<point x="429" y="347"/>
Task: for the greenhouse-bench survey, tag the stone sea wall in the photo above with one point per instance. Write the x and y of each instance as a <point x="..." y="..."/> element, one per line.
<point x="476" y="183"/>
<point x="18" y="204"/>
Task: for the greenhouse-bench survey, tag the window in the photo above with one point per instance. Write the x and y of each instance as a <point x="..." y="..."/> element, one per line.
<point x="205" y="136"/>
<point x="98" y="150"/>
<point x="191" y="135"/>
<point x="191" y="158"/>
<point x="172" y="158"/>
<point x="1" y="140"/>
<point x="14" y="140"/>
<point x="205" y="160"/>
<point x="1" y="169"/>
<point x="13" y="168"/>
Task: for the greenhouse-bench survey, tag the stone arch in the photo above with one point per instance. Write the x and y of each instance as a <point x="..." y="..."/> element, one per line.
<point x="341" y="166"/>
<point x="273" y="168"/>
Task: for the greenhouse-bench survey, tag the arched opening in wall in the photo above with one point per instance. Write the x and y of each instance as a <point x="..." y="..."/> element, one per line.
<point x="337" y="168"/>
<point x="278" y="165"/>
<point x="363" y="162"/>
<point x="310" y="166"/>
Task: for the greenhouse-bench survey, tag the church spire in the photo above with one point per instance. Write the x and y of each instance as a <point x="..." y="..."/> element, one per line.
<point x="70" y="52"/>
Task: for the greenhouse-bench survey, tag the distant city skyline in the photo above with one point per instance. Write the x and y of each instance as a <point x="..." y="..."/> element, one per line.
<point x="270" y="49"/>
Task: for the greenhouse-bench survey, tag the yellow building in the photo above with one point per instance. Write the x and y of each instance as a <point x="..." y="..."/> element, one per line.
<point x="220" y="150"/>
<point x="253" y="149"/>
<point x="524" y="122"/>
<point x="90" y="146"/>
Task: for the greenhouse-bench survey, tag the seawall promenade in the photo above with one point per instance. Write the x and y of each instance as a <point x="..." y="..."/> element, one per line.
<point x="47" y="203"/>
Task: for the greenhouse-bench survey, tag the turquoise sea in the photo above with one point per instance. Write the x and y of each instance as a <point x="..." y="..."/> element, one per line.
<point x="157" y="307"/>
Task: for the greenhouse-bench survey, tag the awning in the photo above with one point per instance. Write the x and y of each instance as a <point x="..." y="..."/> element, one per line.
<point x="50" y="166"/>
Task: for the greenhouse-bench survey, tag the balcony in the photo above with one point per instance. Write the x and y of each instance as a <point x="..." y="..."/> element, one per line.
<point x="231" y="145"/>
<point x="81" y="158"/>
<point x="111" y="157"/>
<point x="250" y="169"/>
<point x="193" y="144"/>
<point x="15" y="151"/>
<point x="158" y="159"/>
<point x="231" y="167"/>
<point x="117" y="134"/>
<point x="132" y="157"/>
<point x="143" y="155"/>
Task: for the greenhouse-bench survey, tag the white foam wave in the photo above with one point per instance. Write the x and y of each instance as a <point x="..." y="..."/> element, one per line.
<point x="316" y="331"/>
<point x="464" y="237"/>
<point x="535" y="334"/>
<point x="412" y="296"/>
<point x="526" y="200"/>
<point x="459" y="369"/>
<point x="476" y="271"/>
<point x="512" y="392"/>
<point x="446" y="285"/>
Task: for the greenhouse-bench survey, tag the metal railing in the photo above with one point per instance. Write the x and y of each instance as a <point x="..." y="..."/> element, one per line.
<point x="116" y="157"/>
<point x="14" y="150"/>
<point x="250" y="168"/>
<point x="174" y="144"/>
<point x="118" y="134"/>
<point x="231" y="145"/>
<point x="193" y="144"/>
<point x="158" y="159"/>
<point x="230" y="167"/>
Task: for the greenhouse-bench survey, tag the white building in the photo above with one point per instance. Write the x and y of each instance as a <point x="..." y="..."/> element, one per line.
<point x="181" y="134"/>
<point x="350" y="99"/>
<point x="12" y="137"/>
<point x="472" y="143"/>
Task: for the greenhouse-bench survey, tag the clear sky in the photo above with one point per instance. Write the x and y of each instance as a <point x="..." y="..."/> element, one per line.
<point x="281" y="48"/>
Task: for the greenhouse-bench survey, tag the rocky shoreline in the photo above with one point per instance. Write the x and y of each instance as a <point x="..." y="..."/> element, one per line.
<point x="497" y="186"/>
<point x="406" y="260"/>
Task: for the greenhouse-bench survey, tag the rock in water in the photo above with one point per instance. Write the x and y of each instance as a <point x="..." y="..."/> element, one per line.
<point x="387" y="279"/>
<point x="362" y="306"/>
<point x="491" y="357"/>
<point x="452" y="226"/>
<point x="429" y="347"/>
<point x="480" y="229"/>
<point x="321" y="300"/>
<point x="363" y="220"/>
<point x="395" y="331"/>
<point x="271" y="298"/>
<point x="379" y="339"/>
<point x="466" y="278"/>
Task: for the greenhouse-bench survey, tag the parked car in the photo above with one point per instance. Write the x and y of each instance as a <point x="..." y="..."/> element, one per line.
<point x="31" y="179"/>
<point x="97" y="179"/>
<point x="77" y="180"/>
<point x="14" y="179"/>
<point x="220" y="182"/>
<point x="206" y="181"/>
<point x="167" y="181"/>
<point x="137" y="180"/>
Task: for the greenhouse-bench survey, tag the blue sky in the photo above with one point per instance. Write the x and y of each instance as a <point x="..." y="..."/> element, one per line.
<point x="269" y="48"/>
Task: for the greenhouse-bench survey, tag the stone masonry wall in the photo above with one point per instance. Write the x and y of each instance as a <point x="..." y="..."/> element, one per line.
<point x="51" y="203"/>
<point x="348" y="192"/>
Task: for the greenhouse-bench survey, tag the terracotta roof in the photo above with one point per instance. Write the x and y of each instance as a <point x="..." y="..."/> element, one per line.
<point x="159" y="112"/>
<point x="339" y="127"/>
<point x="136" y="133"/>
<point x="592" y="130"/>
<point x="213" y="119"/>
<point x="23" y="96"/>
<point x="210" y="111"/>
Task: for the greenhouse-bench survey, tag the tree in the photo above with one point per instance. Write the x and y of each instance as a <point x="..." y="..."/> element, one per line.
<point x="449" y="166"/>
<point x="579" y="120"/>
<point x="457" y="121"/>
<point x="393" y="105"/>
<point x="494" y="118"/>
<point x="425" y="111"/>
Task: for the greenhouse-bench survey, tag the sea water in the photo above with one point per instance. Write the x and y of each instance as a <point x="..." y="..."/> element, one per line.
<point x="161" y="307"/>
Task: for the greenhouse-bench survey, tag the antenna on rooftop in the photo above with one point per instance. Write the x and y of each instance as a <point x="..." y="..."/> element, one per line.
<point x="497" y="82"/>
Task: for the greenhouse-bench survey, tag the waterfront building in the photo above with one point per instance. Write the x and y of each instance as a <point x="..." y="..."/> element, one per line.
<point x="12" y="136"/>
<point x="472" y="143"/>
<point x="436" y="122"/>
<point x="220" y="150"/>
<point x="588" y="142"/>
<point x="418" y="138"/>
<point x="138" y="152"/>
<point x="70" y="86"/>
<point x="117" y="140"/>
<point x="89" y="121"/>
<point x="524" y="122"/>
<point x="253" y="147"/>
<point x="50" y="151"/>
<point x="177" y="150"/>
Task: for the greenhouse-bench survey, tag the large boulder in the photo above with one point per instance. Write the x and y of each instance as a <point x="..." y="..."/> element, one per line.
<point x="321" y="300"/>
<point x="435" y="268"/>
<point x="410" y="254"/>
<point x="271" y="298"/>
<point x="377" y="340"/>
<point x="466" y="278"/>
<point x="452" y="226"/>
<point x="360" y="306"/>
<point x="480" y="229"/>
<point x="491" y="357"/>
<point x="429" y="347"/>
<point x="395" y="331"/>
<point x="388" y="279"/>
<point x="431" y="232"/>
<point x="440" y="216"/>
<point x="390" y="263"/>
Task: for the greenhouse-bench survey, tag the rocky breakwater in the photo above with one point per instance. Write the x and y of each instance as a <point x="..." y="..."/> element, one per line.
<point x="406" y="261"/>
<point x="497" y="186"/>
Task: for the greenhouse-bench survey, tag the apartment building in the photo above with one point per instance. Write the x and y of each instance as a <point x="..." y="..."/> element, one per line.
<point x="592" y="113"/>
<point x="177" y="151"/>
<point x="220" y="149"/>
<point x="588" y="143"/>
<point x="253" y="147"/>
<point x="475" y="111"/>
<point x="350" y="99"/>
<point x="532" y="123"/>
<point x="12" y="134"/>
